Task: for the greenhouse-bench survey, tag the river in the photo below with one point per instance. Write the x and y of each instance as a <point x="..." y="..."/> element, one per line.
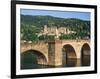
<point x="30" y="62"/>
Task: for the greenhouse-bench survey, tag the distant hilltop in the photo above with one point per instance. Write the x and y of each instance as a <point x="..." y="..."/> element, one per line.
<point x="50" y="21"/>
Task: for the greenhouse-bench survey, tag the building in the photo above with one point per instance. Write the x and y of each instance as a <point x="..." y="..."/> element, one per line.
<point x="54" y="30"/>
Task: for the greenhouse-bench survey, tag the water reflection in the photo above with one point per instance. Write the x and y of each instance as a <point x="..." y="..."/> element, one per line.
<point x="30" y="64"/>
<point x="85" y="61"/>
<point x="70" y="63"/>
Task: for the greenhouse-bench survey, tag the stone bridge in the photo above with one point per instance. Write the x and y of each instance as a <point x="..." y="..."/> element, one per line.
<point x="53" y="52"/>
<point x="40" y="49"/>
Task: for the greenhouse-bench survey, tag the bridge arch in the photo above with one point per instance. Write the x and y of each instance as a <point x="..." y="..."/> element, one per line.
<point x="85" y="54"/>
<point x="69" y="55"/>
<point x="32" y="57"/>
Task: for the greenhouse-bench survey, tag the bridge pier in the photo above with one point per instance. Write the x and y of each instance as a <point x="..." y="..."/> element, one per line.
<point x="77" y="48"/>
<point x="55" y="53"/>
<point x="78" y="53"/>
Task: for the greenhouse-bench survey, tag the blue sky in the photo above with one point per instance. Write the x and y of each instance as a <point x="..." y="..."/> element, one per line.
<point x="62" y="14"/>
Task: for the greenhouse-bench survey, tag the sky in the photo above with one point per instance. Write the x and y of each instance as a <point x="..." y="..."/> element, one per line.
<point x="61" y="14"/>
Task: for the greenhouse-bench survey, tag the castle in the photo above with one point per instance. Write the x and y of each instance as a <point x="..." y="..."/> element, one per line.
<point x="55" y="31"/>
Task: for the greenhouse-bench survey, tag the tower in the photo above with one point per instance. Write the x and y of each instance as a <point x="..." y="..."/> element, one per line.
<point x="57" y="33"/>
<point x="45" y="29"/>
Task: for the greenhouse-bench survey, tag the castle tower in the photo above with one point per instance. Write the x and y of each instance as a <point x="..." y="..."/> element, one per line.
<point x="57" y="33"/>
<point x="45" y="29"/>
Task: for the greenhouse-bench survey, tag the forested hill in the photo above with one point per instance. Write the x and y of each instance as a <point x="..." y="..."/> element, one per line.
<point x="31" y="25"/>
<point x="50" y="21"/>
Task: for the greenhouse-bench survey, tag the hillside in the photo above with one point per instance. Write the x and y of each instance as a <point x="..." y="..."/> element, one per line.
<point x="34" y="24"/>
<point x="40" y="21"/>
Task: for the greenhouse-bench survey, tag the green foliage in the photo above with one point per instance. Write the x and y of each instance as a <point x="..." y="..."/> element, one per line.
<point x="51" y="37"/>
<point x="31" y="25"/>
<point x="29" y="34"/>
<point x="67" y="36"/>
<point x="43" y="37"/>
<point x="47" y="37"/>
